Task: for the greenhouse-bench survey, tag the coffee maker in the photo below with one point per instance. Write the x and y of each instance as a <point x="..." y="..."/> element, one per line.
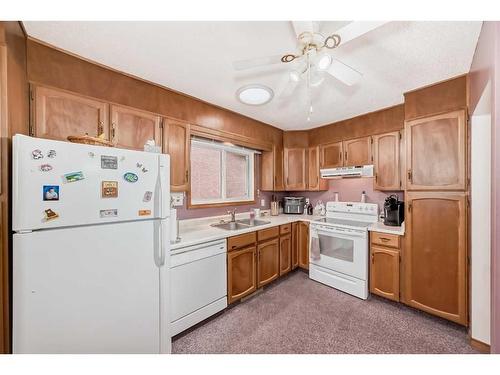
<point x="394" y="211"/>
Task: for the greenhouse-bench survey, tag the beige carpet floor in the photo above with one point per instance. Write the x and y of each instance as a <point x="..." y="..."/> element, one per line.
<point x="298" y="315"/>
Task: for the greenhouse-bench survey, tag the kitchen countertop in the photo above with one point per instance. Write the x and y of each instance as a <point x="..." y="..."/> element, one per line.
<point x="382" y="228"/>
<point x="196" y="231"/>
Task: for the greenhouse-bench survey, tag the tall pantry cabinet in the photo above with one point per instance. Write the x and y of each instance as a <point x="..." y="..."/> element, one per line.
<point x="435" y="260"/>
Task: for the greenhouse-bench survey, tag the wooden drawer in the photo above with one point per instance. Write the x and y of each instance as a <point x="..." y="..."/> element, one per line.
<point x="266" y="234"/>
<point x="237" y="242"/>
<point x="285" y="229"/>
<point x="385" y="239"/>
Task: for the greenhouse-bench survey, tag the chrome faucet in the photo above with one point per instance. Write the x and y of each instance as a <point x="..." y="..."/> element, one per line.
<point x="233" y="214"/>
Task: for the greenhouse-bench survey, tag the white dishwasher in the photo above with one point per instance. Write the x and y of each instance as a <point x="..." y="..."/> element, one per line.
<point x="198" y="283"/>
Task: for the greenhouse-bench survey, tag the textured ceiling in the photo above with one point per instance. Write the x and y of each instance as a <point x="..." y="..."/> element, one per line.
<point x="196" y="58"/>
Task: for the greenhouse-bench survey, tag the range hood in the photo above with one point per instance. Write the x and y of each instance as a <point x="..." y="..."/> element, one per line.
<point x="356" y="171"/>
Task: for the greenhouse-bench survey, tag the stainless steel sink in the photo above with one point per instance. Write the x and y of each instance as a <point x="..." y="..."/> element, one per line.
<point x="240" y="224"/>
<point x="253" y="223"/>
<point x="231" y="225"/>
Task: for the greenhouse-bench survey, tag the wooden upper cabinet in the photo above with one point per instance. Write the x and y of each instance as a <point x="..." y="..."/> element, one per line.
<point x="132" y="128"/>
<point x="279" y="182"/>
<point x="295" y="169"/>
<point x="357" y="151"/>
<point x="295" y="245"/>
<point x="241" y="273"/>
<point x="386" y="161"/>
<point x="384" y="272"/>
<point x="58" y="114"/>
<point x="176" y="143"/>
<point x="314" y="182"/>
<point x="331" y="155"/>
<point x="272" y="170"/>
<point x="436" y="152"/>
<point x="285" y="254"/>
<point x="435" y="261"/>
<point x="268" y="255"/>
<point x="303" y="244"/>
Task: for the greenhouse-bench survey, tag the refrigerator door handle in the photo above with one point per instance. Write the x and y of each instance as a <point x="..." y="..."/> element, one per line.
<point x="163" y="179"/>
<point x="165" y="240"/>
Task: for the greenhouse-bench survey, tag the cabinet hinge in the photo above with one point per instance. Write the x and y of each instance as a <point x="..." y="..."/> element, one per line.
<point x="400" y="135"/>
<point x="371" y="140"/>
<point x="409" y="207"/>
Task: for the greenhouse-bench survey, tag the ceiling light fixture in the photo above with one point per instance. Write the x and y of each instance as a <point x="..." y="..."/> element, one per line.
<point x="254" y="94"/>
<point x="324" y="62"/>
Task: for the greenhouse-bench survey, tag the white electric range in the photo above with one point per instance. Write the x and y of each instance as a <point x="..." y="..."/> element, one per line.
<point x="339" y="246"/>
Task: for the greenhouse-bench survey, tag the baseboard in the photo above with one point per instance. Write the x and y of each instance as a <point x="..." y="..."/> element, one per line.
<point x="480" y="346"/>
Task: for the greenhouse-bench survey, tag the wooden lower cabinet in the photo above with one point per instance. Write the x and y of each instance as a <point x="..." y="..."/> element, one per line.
<point x="384" y="272"/>
<point x="241" y="273"/>
<point x="435" y="261"/>
<point x="268" y="255"/>
<point x="295" y="245"/>
<point x="303" y="244"/>
<point x="285" y="254"/>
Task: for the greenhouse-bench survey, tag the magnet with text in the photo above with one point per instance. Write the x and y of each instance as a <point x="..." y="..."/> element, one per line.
<point x="50" y="215"/>
<point x="74" y="176"/>
<point x="112" y="212"/>
<point x="52" y="154"/>
<point x="109" y="162"/>
<point x="147" y="196"/>
<point x="109" y="189"/>
<point x="144" y="212"/>
<point x="45" y="167"/>
<point x="50" y="192"/>
<point x="130" y="177"/>
<point x="36" y="154"/>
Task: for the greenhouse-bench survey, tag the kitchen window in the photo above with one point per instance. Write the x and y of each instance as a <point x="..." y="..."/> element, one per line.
<point x="221" y="173"/>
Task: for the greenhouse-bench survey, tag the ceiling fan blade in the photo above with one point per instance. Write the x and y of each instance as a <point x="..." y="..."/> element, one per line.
<point x="302" y="26"/>
<point x="287" y="88"/>
<point x="256" y="62"/>
<point x="344" y="72"/>
<point x="356" y="29"/>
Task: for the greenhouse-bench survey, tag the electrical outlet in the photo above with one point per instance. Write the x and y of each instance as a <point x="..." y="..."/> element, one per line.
<point x="263" y="202"/>
<point x="177" y="199"/>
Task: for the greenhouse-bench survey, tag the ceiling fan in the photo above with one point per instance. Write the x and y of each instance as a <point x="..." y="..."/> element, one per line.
<point x="312" y="57"/>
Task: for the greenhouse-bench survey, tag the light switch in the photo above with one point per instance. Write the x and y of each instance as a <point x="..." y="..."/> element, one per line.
<point x="177" y="199"/>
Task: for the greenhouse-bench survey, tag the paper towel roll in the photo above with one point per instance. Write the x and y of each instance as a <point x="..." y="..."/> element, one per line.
<point x="173" y="225"/>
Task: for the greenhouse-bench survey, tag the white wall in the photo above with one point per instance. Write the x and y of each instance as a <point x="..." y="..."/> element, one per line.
<point x="481" y="219"/>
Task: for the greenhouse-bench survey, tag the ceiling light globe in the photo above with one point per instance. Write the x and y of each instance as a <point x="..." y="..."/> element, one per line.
<point x="324" y="62"/>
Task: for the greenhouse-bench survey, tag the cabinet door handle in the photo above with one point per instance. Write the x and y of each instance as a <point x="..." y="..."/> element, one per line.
<point x="187" y="175"/>
<point x="113" y="131"/>
<point x="376" y="177"/>
<point x="373" y="258"/>
<point x="410" y="175"/>
<point x="100" y="128"/>
<point x="345" y="155"/>
<point x="383" y="239"/>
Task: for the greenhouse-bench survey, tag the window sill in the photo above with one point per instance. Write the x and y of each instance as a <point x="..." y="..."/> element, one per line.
<point x="223" y="204"/>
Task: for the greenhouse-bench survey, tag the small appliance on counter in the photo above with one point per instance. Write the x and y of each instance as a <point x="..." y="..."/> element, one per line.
<point x="394" y="211"/>
<point x="293" y="205"/>
<point x="274" y="206"/>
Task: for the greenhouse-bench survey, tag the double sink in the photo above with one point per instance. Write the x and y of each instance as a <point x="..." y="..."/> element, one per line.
<point x="240" y="224"/>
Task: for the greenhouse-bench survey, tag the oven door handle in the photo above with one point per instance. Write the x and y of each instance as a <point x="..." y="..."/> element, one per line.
<point x="337" y="233"/>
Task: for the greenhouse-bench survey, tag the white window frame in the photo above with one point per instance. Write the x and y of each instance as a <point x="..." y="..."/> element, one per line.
<point x="250" y="156"/>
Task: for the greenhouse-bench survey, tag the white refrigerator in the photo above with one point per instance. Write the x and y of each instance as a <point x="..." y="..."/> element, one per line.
<point x="90" y="249"/>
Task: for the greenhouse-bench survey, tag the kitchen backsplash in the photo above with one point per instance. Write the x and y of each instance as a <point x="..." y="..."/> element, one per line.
<point x="349" y="190"/>
<point x="184" y="213"/>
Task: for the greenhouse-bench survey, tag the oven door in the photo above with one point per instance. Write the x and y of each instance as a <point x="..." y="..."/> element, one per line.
<point x="341" y="250"/>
